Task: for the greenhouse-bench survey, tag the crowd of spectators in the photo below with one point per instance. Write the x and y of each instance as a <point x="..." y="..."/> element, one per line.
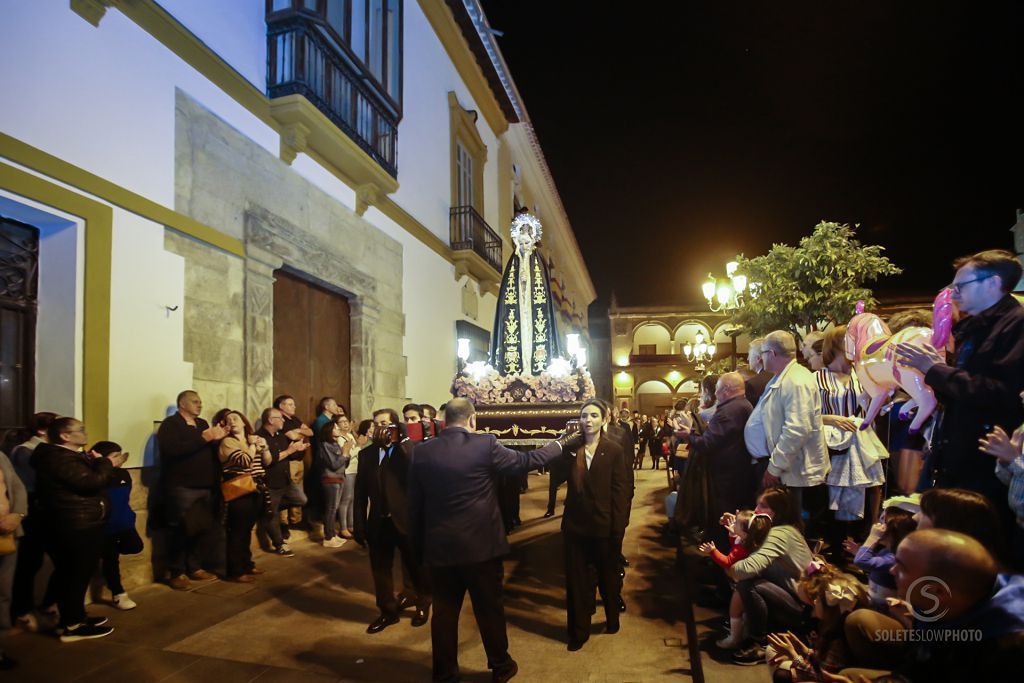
<point x="219" y="482"/>
<point x="832" y="565"/>
<point x="923" y="585"/>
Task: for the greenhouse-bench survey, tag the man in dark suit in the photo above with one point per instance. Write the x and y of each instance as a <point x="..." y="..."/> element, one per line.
<point x="724" y="453"/>
<point x="381" y="482"/>
<point x="457" y="530"/>
<point x="754" y="387"/>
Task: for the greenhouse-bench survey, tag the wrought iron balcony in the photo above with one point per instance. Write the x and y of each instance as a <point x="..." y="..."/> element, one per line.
<point x="301" y="60"/>
<point x="469" y="231"/>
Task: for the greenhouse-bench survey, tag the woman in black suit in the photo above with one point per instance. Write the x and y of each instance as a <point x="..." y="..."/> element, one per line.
<point x="594" y="521"/>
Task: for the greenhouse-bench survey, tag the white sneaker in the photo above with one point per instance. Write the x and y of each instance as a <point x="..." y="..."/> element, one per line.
<point x="335" y="542"/>
<point x="123" y="602"/>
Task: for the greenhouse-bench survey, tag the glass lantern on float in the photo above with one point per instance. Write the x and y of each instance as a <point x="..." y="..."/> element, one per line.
<point x="462" y="351"/>
<point x="577" y="352"/>
<point x="699" y="353"/>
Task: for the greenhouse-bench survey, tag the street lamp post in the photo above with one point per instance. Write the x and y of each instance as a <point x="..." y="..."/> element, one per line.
<point x="699" y="353"/>
<point x="727" y="294"/>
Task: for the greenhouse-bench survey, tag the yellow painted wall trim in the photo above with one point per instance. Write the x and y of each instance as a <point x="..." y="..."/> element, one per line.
<point x="90" y="10"/>
<point x="49" y="165"/>
<point x="450" y="35"/>
<point x="160" y="24"/>
<point x="99" y="225"/>
<point x="414" y="228"/>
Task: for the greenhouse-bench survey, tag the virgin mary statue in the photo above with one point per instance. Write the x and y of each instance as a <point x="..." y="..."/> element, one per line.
<point x="525" y="330"/>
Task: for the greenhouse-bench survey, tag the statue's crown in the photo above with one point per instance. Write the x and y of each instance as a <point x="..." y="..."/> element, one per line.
<point x="526" y="224"/>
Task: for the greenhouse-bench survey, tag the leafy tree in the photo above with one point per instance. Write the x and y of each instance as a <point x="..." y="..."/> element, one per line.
<point x="813" y="285"/>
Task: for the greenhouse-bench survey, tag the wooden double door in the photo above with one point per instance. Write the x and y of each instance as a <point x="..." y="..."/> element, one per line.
<point x="312" y="344"/>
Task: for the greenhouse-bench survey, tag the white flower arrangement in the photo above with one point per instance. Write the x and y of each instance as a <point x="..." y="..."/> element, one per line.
<point x="481" y="383"/>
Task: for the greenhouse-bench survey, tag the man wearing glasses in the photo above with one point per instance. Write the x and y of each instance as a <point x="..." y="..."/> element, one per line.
<point x="979" y="389"/>
<point x="283" y="490"/>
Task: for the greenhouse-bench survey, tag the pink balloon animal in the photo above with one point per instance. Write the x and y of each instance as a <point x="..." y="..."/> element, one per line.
<point x="871" y="347"/>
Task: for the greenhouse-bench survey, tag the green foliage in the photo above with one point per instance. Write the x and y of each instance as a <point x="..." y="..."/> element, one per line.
<point x="810" y="286"/>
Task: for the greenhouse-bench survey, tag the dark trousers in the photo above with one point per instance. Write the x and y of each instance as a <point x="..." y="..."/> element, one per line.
<point x="111" y="556"/>
<point x="191" y="532"/>
<point x="558" y="475"/>
<point x="586" y="556"/>
<point x="654" y="446"/>
<point x="757" y="471"/>
<point x="382" y="561"/>
<point x="270" y="525"/>
<point x="31" y="552"/>
<point x="768" y="607"/>
<point x="509" y="490"/>
<point x="814" y="501"/>
<point x="241" y="518"/>
<point x="75" y="554"/>
<point x="483" y="582"/>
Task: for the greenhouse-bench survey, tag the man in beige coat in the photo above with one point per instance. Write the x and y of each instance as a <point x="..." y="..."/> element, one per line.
<point x="790" y="426"/>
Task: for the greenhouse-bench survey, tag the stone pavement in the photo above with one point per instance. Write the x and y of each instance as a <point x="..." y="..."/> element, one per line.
<point x="305" y="619"/>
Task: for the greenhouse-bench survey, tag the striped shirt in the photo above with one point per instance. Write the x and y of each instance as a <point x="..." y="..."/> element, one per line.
<point x="839" y="397"/>
<point x="237" y="458"/>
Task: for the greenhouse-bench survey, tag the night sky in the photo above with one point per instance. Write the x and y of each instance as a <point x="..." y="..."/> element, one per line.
<point x="678" y="140"/>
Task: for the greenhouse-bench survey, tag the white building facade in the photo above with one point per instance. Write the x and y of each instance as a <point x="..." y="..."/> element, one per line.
<point x="256" y="197"/>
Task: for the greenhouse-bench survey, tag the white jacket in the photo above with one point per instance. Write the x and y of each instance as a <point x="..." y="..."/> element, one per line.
<point x="792" y="425"/>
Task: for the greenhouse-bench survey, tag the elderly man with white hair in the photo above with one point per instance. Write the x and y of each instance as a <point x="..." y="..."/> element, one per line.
<point x="786" y="428"/>
<point x="754" y="386"/>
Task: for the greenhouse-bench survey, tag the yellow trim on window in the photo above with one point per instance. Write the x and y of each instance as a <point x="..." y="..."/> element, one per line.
<point x="99" y="223"/>
<point x="463" y="130"/>
<point x="54" y="167"/>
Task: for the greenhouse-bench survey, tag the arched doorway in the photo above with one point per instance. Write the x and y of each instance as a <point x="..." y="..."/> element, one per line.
<point x="654" y="397"/>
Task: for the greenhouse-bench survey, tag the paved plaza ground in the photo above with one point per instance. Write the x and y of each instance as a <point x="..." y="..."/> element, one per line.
<point x="305" y="619"/>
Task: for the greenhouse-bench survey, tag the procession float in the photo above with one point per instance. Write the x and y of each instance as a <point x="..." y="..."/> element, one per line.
<point x="530" y="385"/>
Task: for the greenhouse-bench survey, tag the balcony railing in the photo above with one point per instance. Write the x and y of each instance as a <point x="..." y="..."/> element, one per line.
<point x="470" y="231"/>
<point x="301" y="61"/>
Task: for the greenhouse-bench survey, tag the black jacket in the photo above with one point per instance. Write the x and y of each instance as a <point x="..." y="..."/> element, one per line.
<point x="380" y="484"/>
<point x="597" y="502"/>
<point x="624" y="439"/>
<point x="453" y="500"/>
<point x="279" y="474"/>
<point x="725" y="454"/>
<point x="71" y="487"/>
<point x="754" y="386"/>
<point x="186" y="459"/>
<point x="629" y="438"/>
<point x="978" y="391"/>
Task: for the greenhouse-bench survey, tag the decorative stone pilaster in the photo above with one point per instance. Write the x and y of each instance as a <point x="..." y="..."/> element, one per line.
<point x="364" y="317"/>
<point x="259" y="328"/>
